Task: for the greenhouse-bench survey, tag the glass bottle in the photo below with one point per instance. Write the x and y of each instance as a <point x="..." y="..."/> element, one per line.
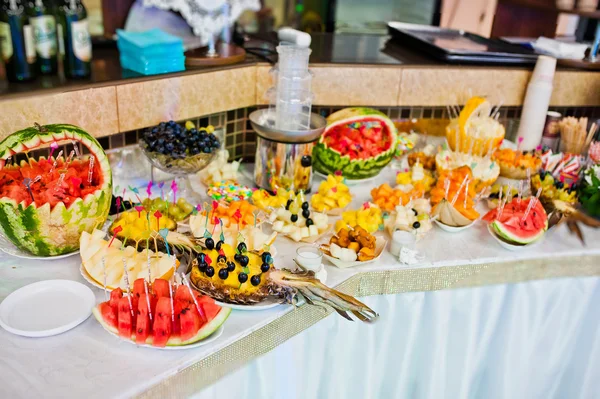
<point x="74" y="41"/>
<point x="17" y="46"/>
<point x="43" y="22"/>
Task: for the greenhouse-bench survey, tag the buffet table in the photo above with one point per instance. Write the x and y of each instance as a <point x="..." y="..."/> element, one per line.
<point x="454" y="325"/>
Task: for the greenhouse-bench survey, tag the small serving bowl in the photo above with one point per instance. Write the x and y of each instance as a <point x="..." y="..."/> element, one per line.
<point x="510" y="246"/>
<point x="453" y="229"/>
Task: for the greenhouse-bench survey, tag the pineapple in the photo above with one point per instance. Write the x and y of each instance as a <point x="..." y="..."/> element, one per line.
<point x="332" y="195"/>
<point x="236" y="275"/>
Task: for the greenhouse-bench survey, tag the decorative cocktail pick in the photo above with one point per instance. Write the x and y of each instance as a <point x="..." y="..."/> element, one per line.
<point x="187" y="284"/>
<point x="466" y="193"/>
<point x="27" y="183"/>
<point x="118" y="201"/>
<point x="55" y="163"/>
<point x="136" y="192"/>
<point x="76" y="148"/>
<point x="237" y="216"/>
<point x="174" y="189"/>
<point x="446" y="188"/>
<point x="519" y="142"/>
<point x="164" y="233"/>
<point x="500" y="201"/>
<point x="70" y="159"/>
<point x="104" y="275"/>
<point x="116" y="231"/>
<point x="215" y="223"/>
<point x="366" y="205"/>
<point x="222" y="236"/>
<point x="528" y="187"/>
<point x="139" y="210"/>
<point x="503" y="203"/>
<point x="53" y="147"/>
<point x="459" y="190"/>
<point x="126" y="276"/>
<point x="255" y="214"/>
<point x="91" y="169"/>
<point x="149" y="189"/>
<point x="531" y="204"/>
<point x="157" y="215"/>
<point x="171" y="297"/>
<point x="520" y="193"/>
<point x="207" y="210"/>
<point x="147" y="291"/>
<point x="59" y="182"/>
<point x="215" y="205"/>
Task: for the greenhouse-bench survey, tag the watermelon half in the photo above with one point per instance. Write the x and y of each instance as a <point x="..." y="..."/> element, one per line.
<point x="359" y="142"/>
<point x="188" y="325"/>
<point x="48" y="218"/>
<point x="512" y="225"/>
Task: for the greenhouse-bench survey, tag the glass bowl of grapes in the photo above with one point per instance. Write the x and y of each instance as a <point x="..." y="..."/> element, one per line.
<point x="180" y="150"/>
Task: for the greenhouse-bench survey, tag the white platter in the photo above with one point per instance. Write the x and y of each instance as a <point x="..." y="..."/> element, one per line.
<point x="512" y="247"/>
<point x="10" y="249"/>
<point x="203" y="342"/>
<point x="265" y="304"/>
<point x="46" y="308"/>
<point x="379" y="247"/>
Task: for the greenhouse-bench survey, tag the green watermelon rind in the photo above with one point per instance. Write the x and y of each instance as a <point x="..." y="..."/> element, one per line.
<point x="45" y="232"/>
<point x="204" y="332"/>
<point x="509" y="236"/>
<point x="328" y="161"/>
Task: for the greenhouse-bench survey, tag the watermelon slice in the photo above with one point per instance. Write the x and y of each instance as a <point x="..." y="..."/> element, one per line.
<point x="187" y="328"/>
<point x="512" y="225"/>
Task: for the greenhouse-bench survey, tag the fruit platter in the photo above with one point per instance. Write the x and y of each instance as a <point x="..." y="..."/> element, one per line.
<point x="161" y="315"/>
<point x="353" y="247"/>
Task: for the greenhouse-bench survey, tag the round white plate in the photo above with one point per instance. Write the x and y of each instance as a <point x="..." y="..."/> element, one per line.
<point x="267" y="303"/>
<point x="46" y="308"/>
<point x="512" y="247"/>
<point x="203" y="342"/>
<point x="9" y="248"/>
<point x="452" y="229"/>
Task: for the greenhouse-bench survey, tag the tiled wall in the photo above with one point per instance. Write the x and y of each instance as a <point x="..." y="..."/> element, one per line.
<point x="240" y="138"/>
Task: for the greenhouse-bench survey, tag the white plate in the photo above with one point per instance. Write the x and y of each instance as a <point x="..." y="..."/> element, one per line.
<point x="9" y="248"/>
<point x="512" y="247"/>
<point x="203" y="342"/>
<point x="268" y="303"/>
<point x="46" y="308"/>
<point x="452" y="229"/>
<point x="379" y="247"/>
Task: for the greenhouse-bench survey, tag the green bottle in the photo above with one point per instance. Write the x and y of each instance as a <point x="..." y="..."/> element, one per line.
<point x="43" y="22"/>
<point x="17" y="46"/>
<point x="74" y="41"/>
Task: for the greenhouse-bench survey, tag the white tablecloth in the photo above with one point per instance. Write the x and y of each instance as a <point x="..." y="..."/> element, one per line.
<point x="539" y="339"/>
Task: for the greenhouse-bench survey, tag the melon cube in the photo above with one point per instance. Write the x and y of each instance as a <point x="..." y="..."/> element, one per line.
<point x="313" y="230"/>
<point x="288" y="229"/>
<point x="305" y="232"/>
<point x="296" y="235"/>
<point x="278" y="226"/>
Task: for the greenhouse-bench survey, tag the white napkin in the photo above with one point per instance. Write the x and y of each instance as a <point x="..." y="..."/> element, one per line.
<point x="560" y="49"/>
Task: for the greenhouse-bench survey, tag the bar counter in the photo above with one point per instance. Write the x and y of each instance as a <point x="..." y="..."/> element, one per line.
<point x="349" y="70"/>
<point x="89" y="362"/>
